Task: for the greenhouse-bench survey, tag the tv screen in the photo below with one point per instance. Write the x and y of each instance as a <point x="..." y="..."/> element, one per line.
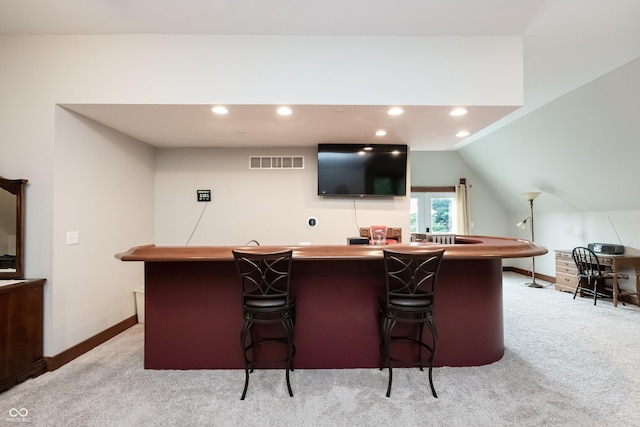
<point x="362" y="169"/>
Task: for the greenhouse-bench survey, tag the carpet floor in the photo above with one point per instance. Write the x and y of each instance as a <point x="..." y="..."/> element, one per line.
<point x="566" y="363"/>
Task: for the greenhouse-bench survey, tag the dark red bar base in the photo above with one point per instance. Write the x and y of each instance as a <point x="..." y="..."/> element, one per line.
<point x="193" y="314"/>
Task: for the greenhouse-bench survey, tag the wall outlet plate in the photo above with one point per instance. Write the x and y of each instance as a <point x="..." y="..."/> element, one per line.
<point x="73" y="238"/>
<point x="204" y="195"/>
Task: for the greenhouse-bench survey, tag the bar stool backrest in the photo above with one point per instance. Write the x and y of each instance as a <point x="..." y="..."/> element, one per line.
<point x="412" y="276"/>
<point x="264" y="276"/>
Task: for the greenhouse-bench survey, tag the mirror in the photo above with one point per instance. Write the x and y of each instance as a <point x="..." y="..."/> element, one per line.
<point x="12" y="228"/>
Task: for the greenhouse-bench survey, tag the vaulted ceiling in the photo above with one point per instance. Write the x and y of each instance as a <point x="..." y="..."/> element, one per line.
<point x="558" y="38"/>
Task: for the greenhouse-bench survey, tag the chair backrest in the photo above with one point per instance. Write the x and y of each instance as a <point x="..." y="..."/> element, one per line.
<point x="586" y="261"/>
<point x="412" y="275"/>
<point x="264" y="275"/>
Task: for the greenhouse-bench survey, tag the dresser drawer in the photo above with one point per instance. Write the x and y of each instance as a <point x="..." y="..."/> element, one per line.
<point x="566" y="282"/>
<point x="566" y="258"/>
<point x="567" y="279"/>
<point x="563" y="255"/>
<point x="566" y="267"/>
<point x="605" y="260"/>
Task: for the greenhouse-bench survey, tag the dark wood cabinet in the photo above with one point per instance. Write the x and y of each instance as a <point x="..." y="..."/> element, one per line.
<point x="21" y="331"/>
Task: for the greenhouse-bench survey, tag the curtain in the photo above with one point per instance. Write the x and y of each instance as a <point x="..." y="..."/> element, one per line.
<point x="463" y="222"/>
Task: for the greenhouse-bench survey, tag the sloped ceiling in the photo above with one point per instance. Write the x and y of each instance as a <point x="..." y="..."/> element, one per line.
<point x="580" y="150"/>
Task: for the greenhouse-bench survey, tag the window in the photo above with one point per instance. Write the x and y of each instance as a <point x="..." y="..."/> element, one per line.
<point x="433" y="212"/>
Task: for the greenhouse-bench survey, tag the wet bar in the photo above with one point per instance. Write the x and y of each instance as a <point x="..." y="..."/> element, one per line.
<point x="193" y="303"/>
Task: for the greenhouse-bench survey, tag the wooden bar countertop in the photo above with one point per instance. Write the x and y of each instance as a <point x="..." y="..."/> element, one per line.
<point x="466" y="247"/>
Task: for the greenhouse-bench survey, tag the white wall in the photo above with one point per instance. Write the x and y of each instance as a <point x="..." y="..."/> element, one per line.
<point x="39" y="142"/>
<point x="104" y="191"/>
<point x="270" y="206"/>
<point x="566" y="230"/>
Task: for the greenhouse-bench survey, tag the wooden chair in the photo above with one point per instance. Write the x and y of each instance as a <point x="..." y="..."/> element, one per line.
<point x="592" y="277"/>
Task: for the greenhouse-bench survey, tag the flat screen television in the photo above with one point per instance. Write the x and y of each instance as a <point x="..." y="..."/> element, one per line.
<point x="362" y="170"/>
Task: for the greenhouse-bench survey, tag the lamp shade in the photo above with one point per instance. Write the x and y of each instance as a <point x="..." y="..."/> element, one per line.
<point x="531" y="195"/>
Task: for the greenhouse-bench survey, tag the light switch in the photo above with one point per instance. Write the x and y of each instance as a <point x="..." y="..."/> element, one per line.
<point x="73" y="238"/>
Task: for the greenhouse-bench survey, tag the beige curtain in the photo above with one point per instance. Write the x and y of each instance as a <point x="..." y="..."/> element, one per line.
<point x="463" y="221"/>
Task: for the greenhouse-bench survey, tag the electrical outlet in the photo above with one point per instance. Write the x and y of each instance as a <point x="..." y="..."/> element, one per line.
<point x="204" y="195"/>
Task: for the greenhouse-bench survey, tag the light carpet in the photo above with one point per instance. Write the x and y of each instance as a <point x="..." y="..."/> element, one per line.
<point x="566" y="363"/>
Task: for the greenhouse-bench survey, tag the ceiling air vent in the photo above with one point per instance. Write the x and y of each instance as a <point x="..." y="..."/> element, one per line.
<point x="276" y="162"/>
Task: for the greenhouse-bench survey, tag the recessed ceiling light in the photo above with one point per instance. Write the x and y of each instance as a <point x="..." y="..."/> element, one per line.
<point x="381" y="132"/>
<point x="220" y="110"/>
<point x="395" y="111"/>
<point x="458" y="112"/>
<point x="284" y="111"/>
<point x="463" y="133"/>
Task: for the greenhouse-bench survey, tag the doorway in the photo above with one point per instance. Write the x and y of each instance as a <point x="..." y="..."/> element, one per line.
<point x="433" y="212"/>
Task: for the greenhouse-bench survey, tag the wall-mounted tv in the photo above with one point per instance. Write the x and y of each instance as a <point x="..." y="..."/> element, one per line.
<point x="362" y="170"/>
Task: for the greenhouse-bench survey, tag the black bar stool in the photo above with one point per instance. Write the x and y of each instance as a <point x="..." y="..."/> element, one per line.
<point x="265" y="300"/>
<point x="410" y="298"/>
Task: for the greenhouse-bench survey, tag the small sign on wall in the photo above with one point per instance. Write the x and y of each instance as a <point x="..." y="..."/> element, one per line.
<point x="204" y="195"/>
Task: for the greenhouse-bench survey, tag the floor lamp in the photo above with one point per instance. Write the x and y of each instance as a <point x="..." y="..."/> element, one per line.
<point x="531" y="196"/>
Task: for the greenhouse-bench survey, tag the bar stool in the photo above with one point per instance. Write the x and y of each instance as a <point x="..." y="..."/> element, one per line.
<point x="410" y="299"/>
<point x="266" y="299"/>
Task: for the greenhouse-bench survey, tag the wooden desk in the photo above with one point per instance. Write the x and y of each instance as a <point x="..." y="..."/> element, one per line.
<point x="567" y="280"/>
<point x="193" y="313"/>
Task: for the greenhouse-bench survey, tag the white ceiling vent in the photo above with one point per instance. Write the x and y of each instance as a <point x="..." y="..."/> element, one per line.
<point x="276" y="162"/>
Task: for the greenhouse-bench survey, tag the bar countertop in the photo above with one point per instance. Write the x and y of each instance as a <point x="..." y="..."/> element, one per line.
<point x="466" y="247"/>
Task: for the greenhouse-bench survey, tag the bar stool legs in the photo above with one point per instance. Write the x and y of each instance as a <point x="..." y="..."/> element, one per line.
<point x="287" y="323"/>
<point x="388" y="325"/>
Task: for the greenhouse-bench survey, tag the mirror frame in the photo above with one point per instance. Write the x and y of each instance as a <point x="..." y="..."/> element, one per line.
<point x="16" y="187"/>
